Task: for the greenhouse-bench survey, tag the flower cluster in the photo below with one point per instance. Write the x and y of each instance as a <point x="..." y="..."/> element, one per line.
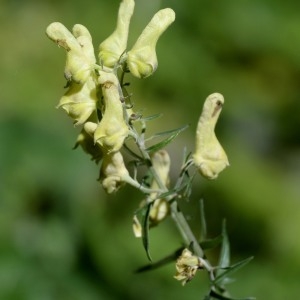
<point x="95" y="100"/>
<point x="94" y="96"/>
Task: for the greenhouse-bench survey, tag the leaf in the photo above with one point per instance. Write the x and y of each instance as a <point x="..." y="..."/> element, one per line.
<point x="145" y="232"/>
<point x="211" y="243"/>
<point x="224" y="260"/>
<point x="187" y="185"/>
<point x="143" y="215"/>
<point x="152" y="117"/>
<point x="207" y="244"/>
<point x="166" y="260"/>
<point x="215" y="295"/>
<point x="230" y="270"/>
<point x="174" y="133"/>
<point x="203" y="228"/>
<point x="170" y="132"/>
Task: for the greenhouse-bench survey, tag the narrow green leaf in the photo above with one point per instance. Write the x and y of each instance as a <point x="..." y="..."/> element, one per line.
<point x="142" y="214"/>
<point x="166" y="260"/>
<point x="224" y="260"/>
<point x="230" y="270"/>
<point x="211" y="243"/>
<point x="207" y="244"/>
<point x="166" y="141"/>
<point x="171" y="132"/>
<point x="203" y="227"/>
<point x="145" y="229"/>
<point x="215" y="295"/>
<point x="188" y="184"/>
<point x="152" y="117"/>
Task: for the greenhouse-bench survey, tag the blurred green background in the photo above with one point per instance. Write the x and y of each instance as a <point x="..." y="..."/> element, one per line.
<point x="62" y="238"/>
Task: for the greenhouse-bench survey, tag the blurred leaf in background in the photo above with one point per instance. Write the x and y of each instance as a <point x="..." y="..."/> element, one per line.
<point x="61" y="237"/>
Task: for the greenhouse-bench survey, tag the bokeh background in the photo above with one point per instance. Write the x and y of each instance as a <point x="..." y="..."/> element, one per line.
<point x="62" y="237"/>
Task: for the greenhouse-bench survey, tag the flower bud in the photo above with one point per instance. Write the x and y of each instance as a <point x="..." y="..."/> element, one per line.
<point x="187" y="265"/>
<point x="112" y="130"/>
<point x="80" y="52"/>
<point x="141" y="59"/>
<point x="80" y="100"/>
<point x="209" y="156"/>
<point x="113" y="172"/>
<point x="111" y="49"/>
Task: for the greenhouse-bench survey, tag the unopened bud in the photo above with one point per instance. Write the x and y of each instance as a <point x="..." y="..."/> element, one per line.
<point x="187" y="265"/>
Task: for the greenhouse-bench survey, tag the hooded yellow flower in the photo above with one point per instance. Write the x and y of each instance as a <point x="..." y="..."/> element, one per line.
<point x="111" y="49"/>
<point x="141" y="59"/>
<point x="209" y="156"/>
<point x="112" y="130"/>
<point x="79" y="48"/>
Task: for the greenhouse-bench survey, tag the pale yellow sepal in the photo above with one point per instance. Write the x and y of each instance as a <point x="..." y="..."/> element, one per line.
<point x="79" y="48"/>
<point x="141" y="59"/>
<point x="209" y="156"/>
<point x="111" y="49"/>
<point x="80" y="100"/>
<point x="113" y="172"/>
<point x="112" y="130"/>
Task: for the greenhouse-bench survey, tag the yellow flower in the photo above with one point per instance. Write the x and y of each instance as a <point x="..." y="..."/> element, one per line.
<point x="80" y="100"/>
<point x="141" y="59"/>
<point x="113" y="172"/>
<point x="80" y="51"/>
<point x="111" y="49"/>
<point x="209" y="156"/>
<point x="186" y="266"/>
<point x="112" y="130"/>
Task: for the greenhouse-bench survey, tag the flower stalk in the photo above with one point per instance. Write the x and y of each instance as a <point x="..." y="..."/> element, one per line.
<point x="95" y="101"/>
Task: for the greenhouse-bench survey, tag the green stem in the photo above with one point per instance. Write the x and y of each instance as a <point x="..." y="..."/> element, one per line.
<point x="185" y="229"/>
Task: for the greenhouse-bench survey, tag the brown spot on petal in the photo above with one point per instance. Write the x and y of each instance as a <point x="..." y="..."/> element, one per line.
<point x="107" y="84"/>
